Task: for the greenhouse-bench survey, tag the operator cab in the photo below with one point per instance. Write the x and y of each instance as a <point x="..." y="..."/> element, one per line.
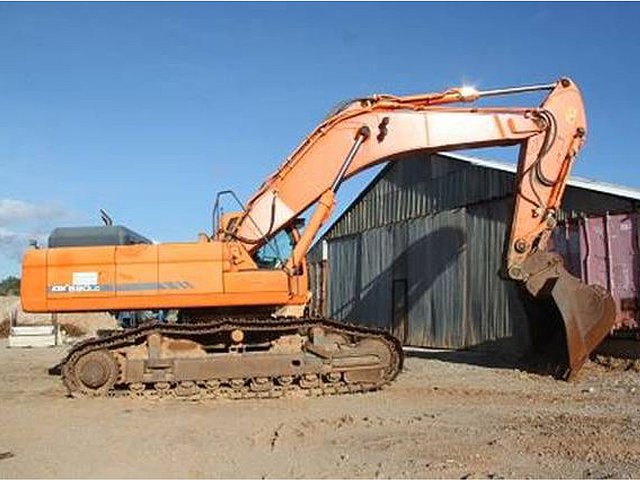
<point x="277" y="250"/>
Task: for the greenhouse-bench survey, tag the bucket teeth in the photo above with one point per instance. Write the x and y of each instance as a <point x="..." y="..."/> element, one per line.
<point x="587" y="311"/>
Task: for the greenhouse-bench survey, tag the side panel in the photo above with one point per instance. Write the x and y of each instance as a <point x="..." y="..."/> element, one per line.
<point x="80" y="272"/>
<point x="178" y="275"/>
<point x="248" y="281"/>
<point x="136" y="270"/>
<point x="33" y="284"/>
<point x="190" y="268"/>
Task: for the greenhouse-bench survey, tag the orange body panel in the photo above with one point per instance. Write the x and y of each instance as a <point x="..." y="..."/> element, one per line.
<point x="66" y="268"/>
<point x="172" y="275"/>
<point x="257" y="281"/>
<point x="136" y="264"/>
<point x="33" y="283"/>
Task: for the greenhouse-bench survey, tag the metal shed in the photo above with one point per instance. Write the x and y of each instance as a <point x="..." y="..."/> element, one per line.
<point x="419" y="251"/>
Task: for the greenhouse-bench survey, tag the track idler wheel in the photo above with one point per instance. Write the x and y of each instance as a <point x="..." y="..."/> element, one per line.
<point x="94" y="373"/>
<point x="587" y="311"/>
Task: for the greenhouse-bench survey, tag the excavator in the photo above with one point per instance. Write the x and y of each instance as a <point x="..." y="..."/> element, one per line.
<point x="242" y="329"/>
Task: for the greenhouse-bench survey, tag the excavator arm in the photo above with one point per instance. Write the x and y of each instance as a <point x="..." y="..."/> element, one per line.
<point x="385" y="128"/>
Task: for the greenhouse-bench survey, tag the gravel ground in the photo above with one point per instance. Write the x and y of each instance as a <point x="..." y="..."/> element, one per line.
<point x="449" y="418"/>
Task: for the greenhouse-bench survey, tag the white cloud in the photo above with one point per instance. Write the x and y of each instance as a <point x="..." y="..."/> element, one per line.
<point x="17" y="212"/>
<point x="13" y="244"/>
<point x="21" y="222"/>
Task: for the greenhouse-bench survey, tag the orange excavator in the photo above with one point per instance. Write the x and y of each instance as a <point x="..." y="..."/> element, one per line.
<point x="241" y="330"/>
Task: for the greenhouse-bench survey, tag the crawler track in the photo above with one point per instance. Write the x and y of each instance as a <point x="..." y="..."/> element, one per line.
<point x="108" y="373"/>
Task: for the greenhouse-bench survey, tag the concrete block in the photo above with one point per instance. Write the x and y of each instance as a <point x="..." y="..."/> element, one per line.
<point x="32" y="336"/>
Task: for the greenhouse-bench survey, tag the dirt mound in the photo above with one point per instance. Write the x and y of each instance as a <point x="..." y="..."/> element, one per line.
<point x="72" y="330"/>
<point x="75" y="324"/>
<point x="4" y="328"/>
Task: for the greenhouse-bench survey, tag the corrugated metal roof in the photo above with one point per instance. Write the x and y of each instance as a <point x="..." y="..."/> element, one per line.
<point x="574" y="181"/>
<point x="426" y="184"/>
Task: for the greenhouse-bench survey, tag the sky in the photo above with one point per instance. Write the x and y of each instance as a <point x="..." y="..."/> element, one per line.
<point x="148" y="109"/>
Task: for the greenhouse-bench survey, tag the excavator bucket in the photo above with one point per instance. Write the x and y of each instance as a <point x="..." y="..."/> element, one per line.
<point x="587" y="311"/>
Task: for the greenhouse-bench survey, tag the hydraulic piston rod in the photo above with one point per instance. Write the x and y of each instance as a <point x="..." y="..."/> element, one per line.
<point x="513" y="90"/>
<point x="362" y="135"/>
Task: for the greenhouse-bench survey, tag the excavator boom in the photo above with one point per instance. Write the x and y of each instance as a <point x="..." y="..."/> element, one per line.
<point x="241" y="330"/>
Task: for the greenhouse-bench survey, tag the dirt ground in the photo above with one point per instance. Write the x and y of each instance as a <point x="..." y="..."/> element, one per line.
<point x="445" y="416"/>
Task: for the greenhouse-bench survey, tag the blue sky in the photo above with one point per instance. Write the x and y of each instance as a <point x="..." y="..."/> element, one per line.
<point x="148" y="109"/>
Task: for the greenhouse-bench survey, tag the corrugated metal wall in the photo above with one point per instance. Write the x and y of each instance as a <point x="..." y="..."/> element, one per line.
<point x="450" y="263"/>
<point x="426" y="238"/>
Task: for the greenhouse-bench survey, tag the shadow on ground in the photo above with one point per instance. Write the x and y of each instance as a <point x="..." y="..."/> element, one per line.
<point x="533" y="363"/>
<point x="469" y="357"/>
